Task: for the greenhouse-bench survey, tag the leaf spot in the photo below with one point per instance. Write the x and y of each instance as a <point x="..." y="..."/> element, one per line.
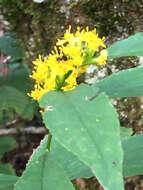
<point x="97" y="120"/>
<point x="48" y="108"/>
<point x="87" y="98"/>
<point x="113" y="164"/>
<point x="66" y="129"/>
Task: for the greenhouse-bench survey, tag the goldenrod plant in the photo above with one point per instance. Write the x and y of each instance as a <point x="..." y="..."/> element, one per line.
<point x="85" y="138"/>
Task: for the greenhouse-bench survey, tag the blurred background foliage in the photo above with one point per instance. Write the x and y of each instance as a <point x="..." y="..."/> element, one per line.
<point x="28" y="29"/>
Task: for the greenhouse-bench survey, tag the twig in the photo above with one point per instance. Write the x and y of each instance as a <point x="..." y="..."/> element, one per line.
<point x="29" y="130"/>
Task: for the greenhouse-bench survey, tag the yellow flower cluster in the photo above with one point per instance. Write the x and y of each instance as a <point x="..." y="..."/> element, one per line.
<point x="70" y="57"/>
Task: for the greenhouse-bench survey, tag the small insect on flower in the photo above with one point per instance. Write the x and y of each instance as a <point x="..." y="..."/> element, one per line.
<point x="62" y="58"/>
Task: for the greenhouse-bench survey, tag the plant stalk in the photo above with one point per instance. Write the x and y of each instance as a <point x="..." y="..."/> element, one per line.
<point x="49" y="142"/>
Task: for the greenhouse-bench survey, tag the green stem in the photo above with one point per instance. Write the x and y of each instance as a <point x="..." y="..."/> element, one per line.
<point x="49" y="141"/>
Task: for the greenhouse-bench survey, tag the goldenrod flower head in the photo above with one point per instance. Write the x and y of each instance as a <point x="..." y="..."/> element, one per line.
<point x="70" y="57"/>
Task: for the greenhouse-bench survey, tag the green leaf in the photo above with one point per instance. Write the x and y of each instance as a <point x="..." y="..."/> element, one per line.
<point x="125" y="132"/>
<point x="74" y="167"/>
<point x="7" y="188"/>
<point x="10" y="46"/>
<point x="127" y="83"/>
<point x="6" y="169"/>
<point x="85" y="128"/>
<point x="43" y="172"/>
<point x="132" y="46"/>
<point x="7" y="180"/>
<point x="133" y="156"/>
<point x="6" y="144"/>
<point x="22" y="84"/>
<point x="132" y="164"/>
<point x="17" y="78"/>
<point x="11" y="98"/>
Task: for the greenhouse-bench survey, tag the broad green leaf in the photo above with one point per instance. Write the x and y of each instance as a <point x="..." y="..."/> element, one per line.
<point x="85" y="128"/>
<point x="10" y="46"/>
<point x="43" y="172"/>
<point x="132" y="46"/>
<point x="133" y="156"/>
<point x="132" y="164"/>
<point x="7" y="180"/>
<point x="74" y="167"/>
<point x="127" y="83"/>
<point x="125" y="132"/>
<point x="6" y="144"/>
<point x="11" y="98"/>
